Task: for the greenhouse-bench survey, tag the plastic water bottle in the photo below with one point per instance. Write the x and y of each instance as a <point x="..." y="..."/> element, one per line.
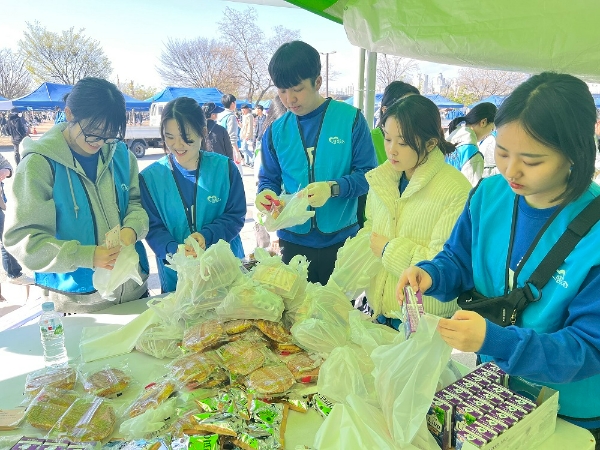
<point x="53" y="338"/>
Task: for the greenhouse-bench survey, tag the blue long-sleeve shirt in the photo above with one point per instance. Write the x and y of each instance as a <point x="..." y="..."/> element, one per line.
<point x="226" y="227"/>
<point x="352" y="185"/>
<point x="568" y="355"/>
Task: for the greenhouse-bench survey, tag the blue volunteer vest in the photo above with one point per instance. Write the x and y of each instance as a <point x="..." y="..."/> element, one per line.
<point x="332" y="159"/>
<point x="211" y="198"/>
<point x="491" y="209"/>
<point x="80" y="225"/>
<point x="463" y="153"/>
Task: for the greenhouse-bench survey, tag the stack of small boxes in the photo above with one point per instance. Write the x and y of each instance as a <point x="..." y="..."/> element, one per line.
<point x="476" y="409"/>
<point x="31" y="443"/>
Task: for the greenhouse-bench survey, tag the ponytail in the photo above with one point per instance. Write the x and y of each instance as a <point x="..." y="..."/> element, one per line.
<point x="455" y="123"/>
<point x="446" y="147"/>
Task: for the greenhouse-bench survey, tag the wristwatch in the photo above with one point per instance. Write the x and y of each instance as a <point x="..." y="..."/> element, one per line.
<point x="335" y="189"/>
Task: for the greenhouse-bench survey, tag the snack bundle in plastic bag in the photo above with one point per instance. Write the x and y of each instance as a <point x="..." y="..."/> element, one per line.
<point x="270" y="380"/>
<point x="293" y="210"/>
<point x="355" y="266"/>
<point x="125" y="269"/>
<point x="250" y="300"/>
<point x="87" y="419"/>
<point x="194" y="369"/>
<point x="204" y="335"/>
<point x="161" y="341"/>
<point x="107" y="382"/>
<point x="283" y="279"/>
<point x="57" y="377"/>
<point x="322" y="323"/>
<point x="152" y="396"/>
<point x="151" y="422"/>
<point x="48" y="406"/>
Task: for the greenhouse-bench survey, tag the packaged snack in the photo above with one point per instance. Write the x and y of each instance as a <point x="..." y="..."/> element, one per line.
<point x="256" y="437"/>
<point x="277" y="277"/>
<point x="109" y="382"/>
<point x="48" y="406"/>
<point x="250" y="300"/>
<point x="448" y="397"/>
<point x="492" y="367"/>
<point x="87" y="420"/>
<point x="272" y="415"/>
<point x="270" y="380"/>
<point x="501" y="391"/>
<point x="496" y="425"/>
<point x="512" y="409"/>
<point x="523" y="402"/>
<point x="205" y="442"/>
<point x="10" y="419"/>
<point x="412" y="310"/>
<point x="439" y="423"/>
<point x="286" y="348"/>
<point x="304" y="368"/>
<point x="482" y="431"/>
<point x="298" y="403"/>
<point x="242" y="357"/>
<point x="194" y="368"/>
<point x="237" y="326"/>
<point x="322" y="405"/>
<point x="466" y="436"/>
<point x="491" y="398"/>
<point x="478" y="378"/>
<point x="465" y="415"/>
<point x="160" y="341"/>
<point x="204" y="335"/>
<point x="217" y="379"/>
<point x="458" y="392"/>
<point x="62" y="378"/>
<point x="223" y="424"/>
<point x="467" y="384"/>
<point x="27" y="443"/>
<point x="479" y="404"/>
<point x="273" y="330"/>
<point x="154" y="394"/>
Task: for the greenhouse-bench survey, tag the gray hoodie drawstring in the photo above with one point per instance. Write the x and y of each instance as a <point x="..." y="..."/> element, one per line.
<point x="76" y="207"/>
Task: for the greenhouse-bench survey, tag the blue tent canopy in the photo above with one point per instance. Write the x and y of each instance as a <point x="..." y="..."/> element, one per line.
<point x="495" y="99"/>
<point x="3" y="98"/>
<point x="443" y="102"/>
<point x="50" y="95"/>
<point x="596" y="100"/>
<point x="201" y="95"/>
<point x="378" y="97"/>
<point x="266" y="104"/>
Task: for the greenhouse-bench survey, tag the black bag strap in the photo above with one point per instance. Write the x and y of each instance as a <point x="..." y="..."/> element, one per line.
<point x="577" y="229"/>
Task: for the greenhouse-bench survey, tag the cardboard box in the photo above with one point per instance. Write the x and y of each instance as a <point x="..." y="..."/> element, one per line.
<point x="535" y="428"/>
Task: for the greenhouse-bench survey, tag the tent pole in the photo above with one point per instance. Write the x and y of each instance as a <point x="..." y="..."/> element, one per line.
<point x="370" y="92"/>
<point x="359" y="88"/>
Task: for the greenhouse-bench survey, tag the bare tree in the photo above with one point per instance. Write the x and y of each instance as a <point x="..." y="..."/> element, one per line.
<point x="64" y="57"/>
<point x="199" y="62"/>
<point x="391" y="68"/>
<point x="15" y="80"/>
<point x="480" y="83"/>
<point x="252" y="50"/>
<point x="137" y="91"/>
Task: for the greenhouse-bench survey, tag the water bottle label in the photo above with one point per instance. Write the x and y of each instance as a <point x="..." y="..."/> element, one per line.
<point x="50" y="327"/>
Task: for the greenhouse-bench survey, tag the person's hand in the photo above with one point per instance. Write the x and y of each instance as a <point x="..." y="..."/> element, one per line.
<point x="4" y="173"/>
<point x="265" y="199"/>
<point x="105" y="258"/>
<point x="416" y="278"/>
<point x="128" y="236"/>
<point x="318" y="193"/>
<point x="378" y="242"/>
<point x="199" y="239"/>
<point x="464" y="332"/>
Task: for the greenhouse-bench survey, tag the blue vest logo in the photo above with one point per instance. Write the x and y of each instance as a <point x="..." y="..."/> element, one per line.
<point x="213" y="199"/>
<point x="124" y="187"/>
<point x="336" y="140"/>
<point x="560" y="278"/>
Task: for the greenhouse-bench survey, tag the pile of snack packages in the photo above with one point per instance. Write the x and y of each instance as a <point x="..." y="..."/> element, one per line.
<point x="246" y="346"/>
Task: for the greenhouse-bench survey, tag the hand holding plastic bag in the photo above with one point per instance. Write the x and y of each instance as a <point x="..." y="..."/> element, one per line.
<point x="125" y="269"/>
<point x="406" y="376"/>
<point x="294" y="211"/>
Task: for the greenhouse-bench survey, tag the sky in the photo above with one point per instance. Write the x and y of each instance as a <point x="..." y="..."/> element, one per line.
<point x="132" y="33"/>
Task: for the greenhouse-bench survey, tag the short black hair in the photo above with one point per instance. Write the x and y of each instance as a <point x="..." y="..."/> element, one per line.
<point x="485" y="110"/>
<point x="294" y="62"/>
<point x="100" y="104"/>
<point x="557" y="110"/>
<point x="396" y="90"/>
<point x="227" y="100"/>
<point x="261" y="107"/>
<point x="186" y="112"/>
<point x="419" y="120"/>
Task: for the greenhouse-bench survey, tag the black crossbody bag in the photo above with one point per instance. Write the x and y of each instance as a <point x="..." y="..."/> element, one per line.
<point x="504" y="310"/>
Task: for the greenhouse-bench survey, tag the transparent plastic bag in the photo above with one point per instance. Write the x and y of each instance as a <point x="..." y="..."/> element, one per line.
<point x="250" y="300"/>
<point x="161" y="341"/>
<point x="152" y="396"/>
<point x="87" y="419"/>
<point x="294" y="212"/>
<point x="125" y="269"/>
<point x="56" y="377"/>
<point x="150" y="422"/>
<point x="48" y="407"/>
<point x="283" y="279"/>
<point x="204" y="335"/>
<point x="322" y="322"/>
<point x="355" y="266"/>
<point x="347" y="371"/>
<point x="406" y="376"/>
<point x="367" y="334"/>
<point x="104" y="380"/>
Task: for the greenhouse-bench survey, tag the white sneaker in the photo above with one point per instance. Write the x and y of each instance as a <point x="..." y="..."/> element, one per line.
<point x="21" y="279"/>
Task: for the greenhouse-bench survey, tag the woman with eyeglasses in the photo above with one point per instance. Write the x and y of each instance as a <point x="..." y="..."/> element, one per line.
<point x="74" y="184"/>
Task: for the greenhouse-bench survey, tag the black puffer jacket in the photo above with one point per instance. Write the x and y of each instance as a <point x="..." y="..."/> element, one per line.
<point x="218" y="139"/>
<point x="16" y="128"/>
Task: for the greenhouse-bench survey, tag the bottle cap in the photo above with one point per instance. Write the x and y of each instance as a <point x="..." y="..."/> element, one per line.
<point x="48" y="306"/>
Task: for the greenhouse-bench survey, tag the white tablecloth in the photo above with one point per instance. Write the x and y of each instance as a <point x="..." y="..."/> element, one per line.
<point x="21" y="353"/>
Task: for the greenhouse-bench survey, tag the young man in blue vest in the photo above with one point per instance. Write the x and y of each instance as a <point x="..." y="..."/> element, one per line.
<point x="319" y="144"/>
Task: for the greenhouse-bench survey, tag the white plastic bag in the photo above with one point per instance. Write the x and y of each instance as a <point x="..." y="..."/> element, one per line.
<point x="125" y="269"/>
<point x="249" y="300"/>
<point x="355" y="266"/>
<point x="283" y="279"/>
<point x="369" y="335"/>
<point x="294" y="212"/>
<point x="406" y="376"/>
<point x="161" y="341"/>
<point x="347" y="371"/>
<point x="149" y="423"/>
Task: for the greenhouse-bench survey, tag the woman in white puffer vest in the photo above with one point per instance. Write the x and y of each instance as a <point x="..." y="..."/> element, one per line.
<point x="413" y="202"/>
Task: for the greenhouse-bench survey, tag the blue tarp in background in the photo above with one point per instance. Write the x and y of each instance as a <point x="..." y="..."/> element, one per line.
<point x="50" y="95"/>
<point x="440" y="101"/>
<point x="495" y="99"/>
<point x="201" y="95"/>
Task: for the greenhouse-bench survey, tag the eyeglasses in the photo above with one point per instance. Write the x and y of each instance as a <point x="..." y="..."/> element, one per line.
<point x="92" y="139"/>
